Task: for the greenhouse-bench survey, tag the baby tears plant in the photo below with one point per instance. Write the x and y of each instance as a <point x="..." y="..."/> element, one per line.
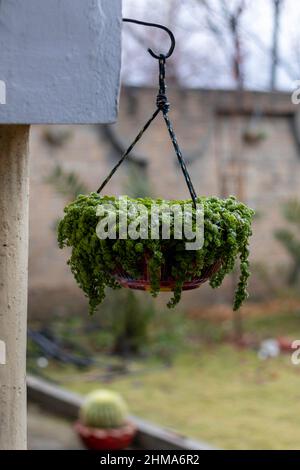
<point x="94" y="261"/>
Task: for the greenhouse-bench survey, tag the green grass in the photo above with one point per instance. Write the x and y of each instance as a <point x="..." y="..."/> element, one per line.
<point x="228" y="397"/>
<point x="286" y="324"/>
<point x="212" y="391"/>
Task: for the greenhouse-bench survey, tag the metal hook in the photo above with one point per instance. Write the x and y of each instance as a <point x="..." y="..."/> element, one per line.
<point x="155" y="25"/>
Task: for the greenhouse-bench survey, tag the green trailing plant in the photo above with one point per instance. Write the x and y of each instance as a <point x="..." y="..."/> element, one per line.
<point x="289" y="238"/>
<point x="103" y="409"/>
<point x="127" y="318"/>
<point x="227" y="228"/>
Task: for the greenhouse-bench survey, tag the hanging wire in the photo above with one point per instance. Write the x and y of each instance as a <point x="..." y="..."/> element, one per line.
<point x="163" y="106"/>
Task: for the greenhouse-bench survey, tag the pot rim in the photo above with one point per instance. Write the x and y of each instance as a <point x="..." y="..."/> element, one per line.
<point x="86" y="431"/>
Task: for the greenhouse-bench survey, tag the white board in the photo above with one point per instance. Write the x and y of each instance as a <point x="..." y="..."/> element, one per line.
<point x="59" y="61"/>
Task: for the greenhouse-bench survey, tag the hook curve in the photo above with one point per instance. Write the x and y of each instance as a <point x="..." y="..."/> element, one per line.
<point x="156" y="25"/>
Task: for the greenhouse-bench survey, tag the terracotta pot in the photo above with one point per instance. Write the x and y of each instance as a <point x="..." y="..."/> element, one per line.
<point x="285" y="344"/>
<point x="167" y="282"/>
<point x="106" y="439"/>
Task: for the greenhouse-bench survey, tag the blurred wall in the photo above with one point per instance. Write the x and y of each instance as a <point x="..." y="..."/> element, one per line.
<point x="243" y="144"/>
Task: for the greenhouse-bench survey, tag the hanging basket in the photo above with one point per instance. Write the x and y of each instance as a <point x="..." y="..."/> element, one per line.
<point x="167" y="281"/>
<point x="157" y="265"/>
<point x="160" y="264"/>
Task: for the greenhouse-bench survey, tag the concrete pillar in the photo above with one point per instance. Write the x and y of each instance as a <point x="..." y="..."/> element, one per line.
<point x="14" y="189"/>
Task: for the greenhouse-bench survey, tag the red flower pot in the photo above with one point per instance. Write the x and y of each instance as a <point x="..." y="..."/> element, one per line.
<point x="285" y="344"/>
<point x="106" y="439"/>
<point x="167" y="282"/>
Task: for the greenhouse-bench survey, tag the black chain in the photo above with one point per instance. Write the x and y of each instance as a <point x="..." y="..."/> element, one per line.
<point x="163" y="106"/>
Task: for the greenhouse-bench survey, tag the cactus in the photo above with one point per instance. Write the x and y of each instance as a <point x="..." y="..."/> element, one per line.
<point x="103" y="409"/>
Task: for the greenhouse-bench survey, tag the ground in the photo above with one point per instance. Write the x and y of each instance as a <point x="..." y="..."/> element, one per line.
<point x="227" y="398"/>
<point x="214" y="390"/>
<point x="46" y="432"/>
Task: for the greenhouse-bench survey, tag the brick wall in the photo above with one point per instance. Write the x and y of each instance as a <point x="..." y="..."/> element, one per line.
<point x="216" y="130"/>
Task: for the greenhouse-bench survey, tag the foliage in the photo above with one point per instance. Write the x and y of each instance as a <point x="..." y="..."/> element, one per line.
<point x="137" y="184"/>
<point x="103" y="409"/>
<point x="126" y="319"/>
<point x="227" y="225"/>
<point x="253" y="401"/>
<point x="131" y="325"/>
<point x="67" y="183"/>
<point x="289" y="239"/>
<point x="169" y="334"/>
<point x="217" y="378"/>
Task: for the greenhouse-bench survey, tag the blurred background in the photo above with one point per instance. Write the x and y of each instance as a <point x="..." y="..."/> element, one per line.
<point x="200" y="370"/>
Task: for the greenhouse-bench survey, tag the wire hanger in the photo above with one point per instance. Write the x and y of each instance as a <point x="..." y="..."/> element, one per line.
<point x="163" y="106"/>
<point x="160" y="26"/>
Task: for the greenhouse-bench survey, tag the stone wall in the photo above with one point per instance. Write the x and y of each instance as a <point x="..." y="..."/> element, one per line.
<point x="243" y="144"/>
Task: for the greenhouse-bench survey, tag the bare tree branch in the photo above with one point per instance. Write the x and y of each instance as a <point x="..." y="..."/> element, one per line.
<point x="274" y="54"/>
<point x="119" y="146"/>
